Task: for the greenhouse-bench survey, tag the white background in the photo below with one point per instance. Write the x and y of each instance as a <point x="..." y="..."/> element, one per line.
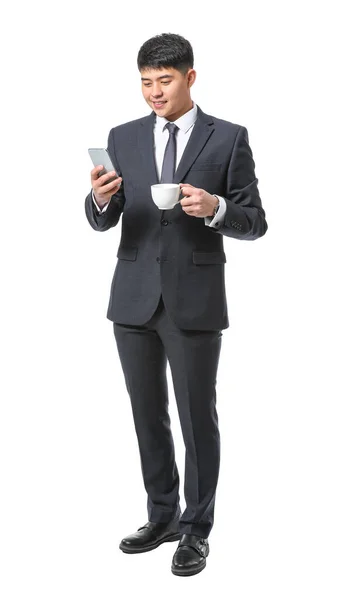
<point x="71" y="484"/>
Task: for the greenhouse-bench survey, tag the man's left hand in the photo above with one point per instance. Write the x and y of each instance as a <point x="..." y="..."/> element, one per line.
<point x="197" y="202"/>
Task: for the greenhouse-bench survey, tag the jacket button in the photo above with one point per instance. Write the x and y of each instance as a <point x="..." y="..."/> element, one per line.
<point x="164" y="222"/>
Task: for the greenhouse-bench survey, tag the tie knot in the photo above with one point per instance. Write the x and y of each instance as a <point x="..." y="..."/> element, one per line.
<point x="171" y="127"/>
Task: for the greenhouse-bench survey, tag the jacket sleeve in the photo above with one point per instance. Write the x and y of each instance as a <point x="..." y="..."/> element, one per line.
<point x="245" y="217"/>
<point x="110" y="217"/>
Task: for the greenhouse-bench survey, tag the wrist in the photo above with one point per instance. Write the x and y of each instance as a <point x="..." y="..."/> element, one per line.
<point x="216" y="206"/>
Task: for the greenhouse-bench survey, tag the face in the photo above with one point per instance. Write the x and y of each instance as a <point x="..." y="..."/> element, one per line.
<point x="167" y="91"/>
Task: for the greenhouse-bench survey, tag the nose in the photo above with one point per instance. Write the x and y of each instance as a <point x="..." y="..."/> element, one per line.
<point x="156" y="90"/>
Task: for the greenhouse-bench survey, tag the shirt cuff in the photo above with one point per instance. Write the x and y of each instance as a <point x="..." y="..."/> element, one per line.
<point x="217" y="220"/>
<point x="100" y="210"/>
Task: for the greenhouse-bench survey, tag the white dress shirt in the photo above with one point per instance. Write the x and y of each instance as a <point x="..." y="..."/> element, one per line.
<point x="185" y="124"/>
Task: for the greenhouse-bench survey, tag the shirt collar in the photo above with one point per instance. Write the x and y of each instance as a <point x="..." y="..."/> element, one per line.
<point x="184" y="122"/>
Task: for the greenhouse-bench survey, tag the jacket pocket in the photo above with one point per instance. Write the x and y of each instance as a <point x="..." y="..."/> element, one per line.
<point x="206" y="166"/>
<point x="125" y="253"/>
<point x="209" y="258"/>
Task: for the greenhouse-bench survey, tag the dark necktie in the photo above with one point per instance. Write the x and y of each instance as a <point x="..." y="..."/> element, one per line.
<point x="169" y="161"/>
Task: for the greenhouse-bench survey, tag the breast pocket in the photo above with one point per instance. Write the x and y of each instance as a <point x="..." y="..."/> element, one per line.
<point x="206" y="166"/>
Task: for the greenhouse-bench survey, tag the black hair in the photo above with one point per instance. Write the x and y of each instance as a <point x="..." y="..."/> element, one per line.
<point x="164" y="51"/>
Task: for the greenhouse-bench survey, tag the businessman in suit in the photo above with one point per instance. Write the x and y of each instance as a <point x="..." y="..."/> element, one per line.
<point x="167" y="299"/>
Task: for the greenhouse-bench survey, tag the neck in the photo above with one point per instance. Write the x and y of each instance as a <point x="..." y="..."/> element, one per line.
<point x="189" y="105"/>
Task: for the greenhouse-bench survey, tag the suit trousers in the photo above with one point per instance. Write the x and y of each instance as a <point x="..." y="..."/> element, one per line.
<point x="193" y="357"/>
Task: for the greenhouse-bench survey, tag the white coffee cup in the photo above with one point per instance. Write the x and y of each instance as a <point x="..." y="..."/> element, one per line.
<point x="165" y="195"/>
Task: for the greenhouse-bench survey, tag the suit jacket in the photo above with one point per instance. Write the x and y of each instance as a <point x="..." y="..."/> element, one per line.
<point x="170" y="253"/>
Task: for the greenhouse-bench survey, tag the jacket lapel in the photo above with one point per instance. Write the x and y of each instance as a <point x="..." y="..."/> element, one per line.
<point x="201" y="132"/>
<point x="146" y="146"/>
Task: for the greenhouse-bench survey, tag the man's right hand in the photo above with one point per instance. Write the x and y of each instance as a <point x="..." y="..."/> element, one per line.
<point x="103" y="191"/>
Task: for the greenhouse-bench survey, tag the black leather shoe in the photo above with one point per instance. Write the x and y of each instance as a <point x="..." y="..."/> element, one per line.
<point x="151" y="535"/>
<point x="190" y="556"/>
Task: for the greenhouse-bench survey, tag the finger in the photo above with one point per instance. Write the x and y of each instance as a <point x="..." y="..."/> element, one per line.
<point x="95" y="172"/>
<point x="186" y="204"/>
<point x="109" y="186"/>
<point x="187" y="190"/>
<point x="186" y="185"/>
<point x="105" y="178"/>
<point x="188" y="211"/>
<point x="111" y="174"/>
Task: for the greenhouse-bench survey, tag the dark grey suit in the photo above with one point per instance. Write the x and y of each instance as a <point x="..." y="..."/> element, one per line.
<point x="168" y="301"/>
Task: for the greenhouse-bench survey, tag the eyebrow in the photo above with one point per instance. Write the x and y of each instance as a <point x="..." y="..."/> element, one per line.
<point x="161" y="77"/>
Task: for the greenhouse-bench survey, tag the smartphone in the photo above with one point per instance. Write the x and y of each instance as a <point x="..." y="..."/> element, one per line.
<point x="100" y="156"/>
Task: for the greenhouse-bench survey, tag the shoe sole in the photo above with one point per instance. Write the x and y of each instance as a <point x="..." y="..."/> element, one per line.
<point x="137" y="550"/>
<point x="187" y="572"/>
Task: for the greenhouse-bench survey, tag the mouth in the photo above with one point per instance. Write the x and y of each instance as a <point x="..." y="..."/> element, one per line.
<point x="159" y="104"/>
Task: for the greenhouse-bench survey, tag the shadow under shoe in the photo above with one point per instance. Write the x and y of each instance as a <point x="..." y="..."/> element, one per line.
<point x="151" y="535"/>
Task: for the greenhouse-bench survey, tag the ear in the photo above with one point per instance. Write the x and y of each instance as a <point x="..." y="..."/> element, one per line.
<point x="191" y="77"/>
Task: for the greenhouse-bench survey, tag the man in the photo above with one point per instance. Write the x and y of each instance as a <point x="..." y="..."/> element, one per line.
<point x="167" y="299"/>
